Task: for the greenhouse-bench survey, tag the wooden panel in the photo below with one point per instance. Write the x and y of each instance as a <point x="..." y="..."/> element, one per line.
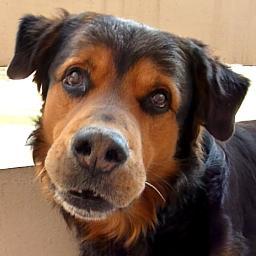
<point x="227" y="26"/>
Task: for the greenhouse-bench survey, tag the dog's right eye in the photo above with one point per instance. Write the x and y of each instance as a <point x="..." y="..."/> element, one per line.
<point x="76" y="81"/>
<point x="157" y="102"/>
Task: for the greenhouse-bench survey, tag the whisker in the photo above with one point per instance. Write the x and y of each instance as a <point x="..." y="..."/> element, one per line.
<point x="153" y="187"/>
<point x="39" y="175"/>
<point x="162" y="180"/>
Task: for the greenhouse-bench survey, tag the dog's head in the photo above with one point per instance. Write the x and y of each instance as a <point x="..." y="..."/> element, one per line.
<point x="122" y="103"/>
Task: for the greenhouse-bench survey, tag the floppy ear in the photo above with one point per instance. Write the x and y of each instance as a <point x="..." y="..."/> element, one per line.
<point x="36" y="43"/>
<point x="30" y="32"/>
<point x="219" y="92"/>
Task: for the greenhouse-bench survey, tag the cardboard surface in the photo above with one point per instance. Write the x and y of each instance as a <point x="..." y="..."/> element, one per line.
<point x="28" y="224"/>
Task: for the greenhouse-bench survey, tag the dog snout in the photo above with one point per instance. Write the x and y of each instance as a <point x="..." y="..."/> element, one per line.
<point x="100" y="149"/>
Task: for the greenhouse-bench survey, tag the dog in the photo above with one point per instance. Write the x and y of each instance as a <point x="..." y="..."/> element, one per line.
<point x="137" y="144"/>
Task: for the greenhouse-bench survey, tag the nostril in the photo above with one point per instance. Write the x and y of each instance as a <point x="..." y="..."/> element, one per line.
<point x="99" y="149"/>
<point x="115" y="155"/>
<point x="83" y="148"/>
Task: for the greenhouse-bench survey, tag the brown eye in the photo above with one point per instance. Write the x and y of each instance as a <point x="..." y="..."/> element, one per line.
<point x="76" y="81"/>
<point x="159" y="100"/>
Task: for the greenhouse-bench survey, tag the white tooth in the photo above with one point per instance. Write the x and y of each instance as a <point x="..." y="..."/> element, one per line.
<point x="80" y="191"/>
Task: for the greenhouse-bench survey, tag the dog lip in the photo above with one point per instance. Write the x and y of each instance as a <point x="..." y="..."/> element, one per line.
<point x="85" y="204"/>
<point x="85" y="194"/>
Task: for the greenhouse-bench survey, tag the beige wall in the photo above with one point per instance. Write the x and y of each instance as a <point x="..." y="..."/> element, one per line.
<point x="28" y="224"/>
<point x="227" y="25"/>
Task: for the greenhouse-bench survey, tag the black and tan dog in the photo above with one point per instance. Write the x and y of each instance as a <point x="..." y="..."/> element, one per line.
<point x="129" y="145"/>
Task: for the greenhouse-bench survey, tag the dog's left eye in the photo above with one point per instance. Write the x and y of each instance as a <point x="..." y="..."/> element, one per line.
<point x="159" y="99"/>
<point x="76" y="81"/>
<point x="156" y="102"/>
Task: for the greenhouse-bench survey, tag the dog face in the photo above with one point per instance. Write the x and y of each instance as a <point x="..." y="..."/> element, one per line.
<point x="120" y="99"/>
<point x="102" y="140"/>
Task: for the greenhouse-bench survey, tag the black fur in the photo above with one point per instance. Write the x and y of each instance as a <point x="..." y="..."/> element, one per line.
<point x="212" y="208"/>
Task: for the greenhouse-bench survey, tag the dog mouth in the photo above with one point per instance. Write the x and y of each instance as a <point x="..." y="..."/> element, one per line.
<point x="84" y="204"/>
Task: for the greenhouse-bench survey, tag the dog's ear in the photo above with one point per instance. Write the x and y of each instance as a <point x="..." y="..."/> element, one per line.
<point x="36" y="46"/>
<point x="219" y="91"/>
<point x="31" y="31"/>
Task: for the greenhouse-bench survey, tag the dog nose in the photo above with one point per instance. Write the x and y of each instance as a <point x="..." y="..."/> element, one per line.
<point x="100" y="149"/>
